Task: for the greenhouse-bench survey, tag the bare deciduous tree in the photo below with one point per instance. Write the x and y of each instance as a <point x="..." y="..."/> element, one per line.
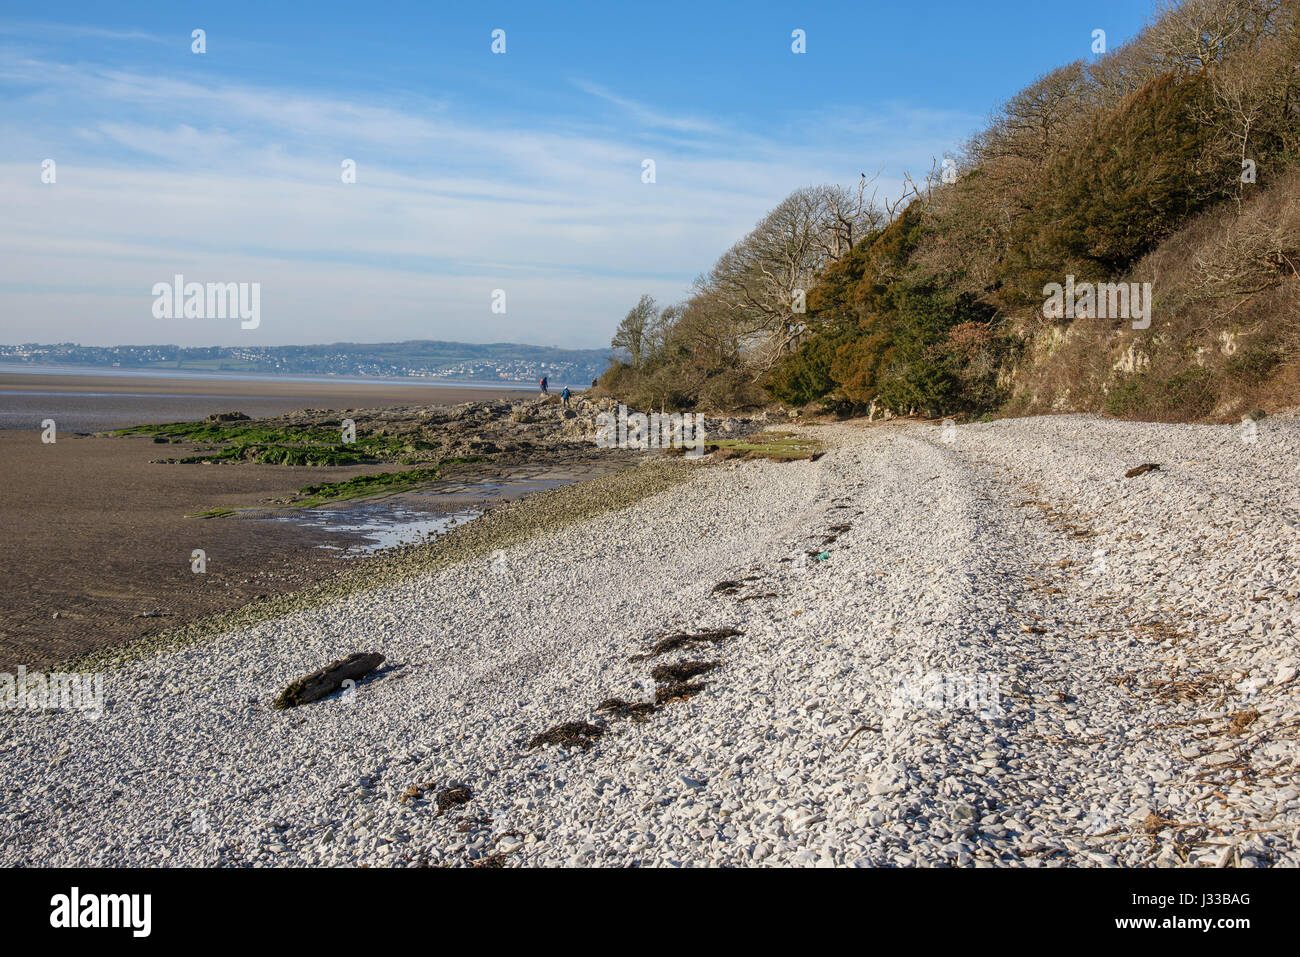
<point x="761" y="280"/>
<point x="659" y="329"/>
<point x="1240" y="100"/>
<point x="1036" y="123"/>
<point x="1196" y="34"/>
<point x="846" y="215"/>
<point x="630" y="337"/>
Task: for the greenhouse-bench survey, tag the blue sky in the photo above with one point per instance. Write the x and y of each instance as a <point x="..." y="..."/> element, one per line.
<point x="475" y="171"/>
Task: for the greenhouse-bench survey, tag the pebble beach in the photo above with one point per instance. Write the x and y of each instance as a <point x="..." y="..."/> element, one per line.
<point x="980" y="645"/>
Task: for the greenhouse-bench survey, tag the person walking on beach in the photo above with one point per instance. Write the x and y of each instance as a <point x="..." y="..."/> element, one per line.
<point x="565" y="396"/>
<point x="545" y="391"/>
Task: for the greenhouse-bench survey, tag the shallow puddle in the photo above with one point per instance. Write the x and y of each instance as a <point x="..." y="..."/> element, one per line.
<point x="377" y="526"/>
<point x="369" y="526"/>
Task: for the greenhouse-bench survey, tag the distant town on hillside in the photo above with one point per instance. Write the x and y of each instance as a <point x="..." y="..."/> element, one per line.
<point x="426" y="359"/>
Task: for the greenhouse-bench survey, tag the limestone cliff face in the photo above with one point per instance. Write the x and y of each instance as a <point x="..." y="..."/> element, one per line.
<point x="1224" y="338"/>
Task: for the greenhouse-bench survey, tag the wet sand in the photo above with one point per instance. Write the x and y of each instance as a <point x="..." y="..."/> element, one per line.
<point x="97" y="547"/>
<point x="95" y="536"/>
<point x="88" y="403"/>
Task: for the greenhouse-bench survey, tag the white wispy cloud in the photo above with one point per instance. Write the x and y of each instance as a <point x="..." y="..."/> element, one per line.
<point x="160" y="174"/>
<point x="65" y="31"/>
<point x="646" y="116"/>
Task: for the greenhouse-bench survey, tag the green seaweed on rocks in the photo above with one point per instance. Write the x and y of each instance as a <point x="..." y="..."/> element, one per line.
<point x="213" y="513"/>
<point x="276" y="454"/>
<point x="242" y="439"/>
<point x="383" y="483"/>
<point x="774" y="446"/>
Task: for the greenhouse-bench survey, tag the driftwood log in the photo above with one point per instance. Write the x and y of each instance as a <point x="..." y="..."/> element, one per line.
<point x="1142" y="470"/>
<point x="325" y="681"/>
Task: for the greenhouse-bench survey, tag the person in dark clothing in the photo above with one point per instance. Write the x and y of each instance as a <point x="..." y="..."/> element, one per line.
<point x="593" y="383"/>
<point x="565" y="396"/>
<point x="545" y="391"/>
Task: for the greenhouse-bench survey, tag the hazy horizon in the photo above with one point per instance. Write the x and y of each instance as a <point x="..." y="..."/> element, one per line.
<point x="301" y="345"/>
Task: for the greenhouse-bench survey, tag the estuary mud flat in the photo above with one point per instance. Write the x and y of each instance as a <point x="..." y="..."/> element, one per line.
<point x="101" y="530"/>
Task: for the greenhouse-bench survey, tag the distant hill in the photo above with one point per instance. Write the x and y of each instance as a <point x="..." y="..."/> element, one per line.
<point x="421" y="358"/>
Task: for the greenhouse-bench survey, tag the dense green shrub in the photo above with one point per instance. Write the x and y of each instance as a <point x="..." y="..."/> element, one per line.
<point x="1135" y="177"/>
<point x="805" y="375"/>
